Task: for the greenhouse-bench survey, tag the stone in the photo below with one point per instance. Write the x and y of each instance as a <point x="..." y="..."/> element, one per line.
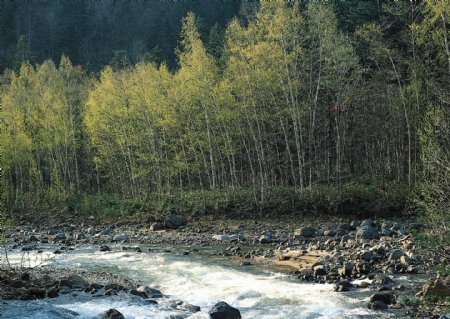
<point x="174" y="222"/>
<point x="319" y="271"/>
<point x="189" y="307"/>
<point x="91" y="231"/>
<point x="104" y="248"/>
<point x="342" y="286"/>
<point x="305" y="232"/>
<point x="222" y="310"/>
<point x="386" y="297"/>
<point x="157" y="226"/>
<point x="382" y="279"/>
<point x="346" y="270"/>
<point x="395" y="255"/>
<point x="226" y="237"/>
<point x="367" y="233"/>
<point x="52" y="292"/>
<point x="265" y="239"/>
<point x="330" y="233"/>
<point x="366" y="256"/>
<point x="378" y="305"/>
<point x="150" y="292"/>
<point x="60" y="236"/>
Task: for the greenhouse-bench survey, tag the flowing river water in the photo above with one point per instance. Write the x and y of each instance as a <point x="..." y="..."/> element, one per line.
<point x="257" y="292"/>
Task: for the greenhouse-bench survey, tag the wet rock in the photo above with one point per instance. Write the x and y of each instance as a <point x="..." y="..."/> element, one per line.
<point x="111" y="314"/>
<point x="157" y="226"/>
<point x="189" y="308"/>
<point x="386" y="297"/>
<point x="319" y="271"/>
<point x="342" y="286"/>
<point x="382" y="279"/>
<point x="330" y="233"/>
<point x="305" y="232"/>
<point x="174" y="222"/>
<point x="150" y="292"/>
<point x="104" y="248"/>
<point x="53" y="292"/>
<point x="378" y="305"/>
<point x="222" y="310"/>
<point x="91" y="231"/>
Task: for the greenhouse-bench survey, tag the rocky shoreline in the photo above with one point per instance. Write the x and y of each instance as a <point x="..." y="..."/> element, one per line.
<point x="351" y="255"/>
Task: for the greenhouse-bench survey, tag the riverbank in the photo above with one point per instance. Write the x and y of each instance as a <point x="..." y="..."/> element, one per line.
<point x="353" y="256"/>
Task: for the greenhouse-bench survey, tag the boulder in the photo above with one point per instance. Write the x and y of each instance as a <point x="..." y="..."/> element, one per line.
<point x="150" y="292"/>
<point x="367" y="233"/>
<point x="386" y="297"/>
<point x="104" y="248"/>
<point x="157" y="226"/>
<point x="174" y="222"/>
<point x="305" y="232"/>
<point x="222" y="310"/>
<point x="342" y="286"/>
<point x="346" y="270"/>
<point x="265" y="239"/>
<point x="378" y="305"/>
<point x="91" y="231"/>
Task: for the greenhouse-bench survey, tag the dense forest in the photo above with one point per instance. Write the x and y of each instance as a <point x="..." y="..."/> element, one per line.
<point x="212" y="105"/>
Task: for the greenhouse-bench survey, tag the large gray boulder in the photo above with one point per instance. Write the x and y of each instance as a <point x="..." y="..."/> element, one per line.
<point x="222" y="310"/>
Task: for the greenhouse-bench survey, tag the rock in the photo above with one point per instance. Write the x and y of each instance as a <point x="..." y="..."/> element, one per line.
<point x="121" y="237"/>
<point x="150" y="292"/>
<point x="52" y="292"/>
<point x="73" y="281"/>
<point x="305" y="232"/>
<point x="189" y="307"/>
<point x="111" y="314"/>
<point x="367" y="233"/>
<point x="319" y="271"/>
<point x="382" y="279"/>
<point x="346" y="270"/>
<point x="438" y="287"/>
<point x="367" y="223"/>
<point x="386" y="297"/>
<point x="395" y="255"/>
<point x="366" y="256"/>
<point x="378" y="305"/>
<point x="330" y="233"/>
<point x="174" y="222"/>
<point x="33" y="238"/>
<point x="80" y="235"/>
<point x="104" y="248"/>
<point x="157" y="226"/>
<point x="355" y="224"/>
<point x="222" y="310"/>
<point x="343" y="286"/>
<point x="60" y="236"/>
<point x="91" y="230"/>
<point x="363" y="267"/>
<point x="265" y="239"/>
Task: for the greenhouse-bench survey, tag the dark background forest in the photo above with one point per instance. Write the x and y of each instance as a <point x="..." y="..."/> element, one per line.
<point x="117" y="107"/>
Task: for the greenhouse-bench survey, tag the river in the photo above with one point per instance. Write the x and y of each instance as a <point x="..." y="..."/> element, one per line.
<point x="257" y="292"/>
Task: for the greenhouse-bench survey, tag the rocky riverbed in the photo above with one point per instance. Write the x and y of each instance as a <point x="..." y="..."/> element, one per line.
<point x="381" y="255"/>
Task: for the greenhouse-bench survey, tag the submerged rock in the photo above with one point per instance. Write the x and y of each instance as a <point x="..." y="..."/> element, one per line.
<point x="378" y="305"/>
<point x="222" y="310"/>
